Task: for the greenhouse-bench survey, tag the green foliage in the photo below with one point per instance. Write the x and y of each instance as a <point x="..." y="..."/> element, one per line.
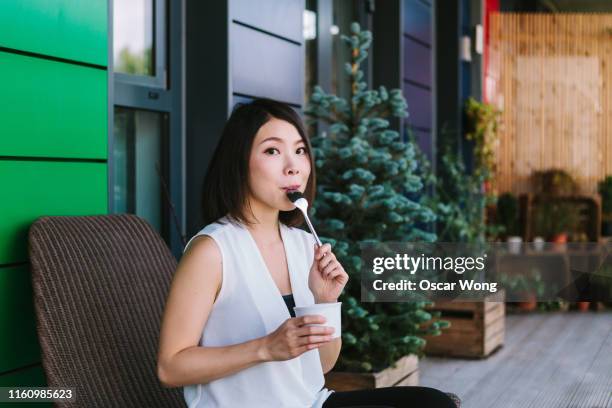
<point x="507" y="213"/>
<point x="365" y="178"/>
<point x="605" y="189"/>
<point x="554" y="182"/>
<point x="481" y="127"/>
<point x="553" y="305"/>
<point x="553" y="217"/>
<point x="459" y="202"/>
<point x="523" y="283"/>
<point x="134" y="63"/>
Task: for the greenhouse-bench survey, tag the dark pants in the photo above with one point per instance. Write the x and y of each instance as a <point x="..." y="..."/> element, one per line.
<point x="390" y="397"/>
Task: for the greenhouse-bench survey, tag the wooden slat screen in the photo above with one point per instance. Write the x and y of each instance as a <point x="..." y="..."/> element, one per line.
<point x="552" y="77"/>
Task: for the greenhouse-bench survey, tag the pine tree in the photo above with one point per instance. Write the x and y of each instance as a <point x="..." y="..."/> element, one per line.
<point x="366" y="183"/>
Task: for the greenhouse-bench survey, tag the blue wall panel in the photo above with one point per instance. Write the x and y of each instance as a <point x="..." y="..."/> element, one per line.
<point x="419" y="106"/>
<point x="417" y="20"/>
<point x="417" y="62"/>
<point x="282" y="18"/>
<point x="418" y="71"/>
<point x="264" y="65"/>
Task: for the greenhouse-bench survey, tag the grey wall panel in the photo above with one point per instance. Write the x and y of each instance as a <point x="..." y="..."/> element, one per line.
<point x="263" y="65"/>
<point x="417" y="20"/>
<point x="387" y="50"/>
<point x="236" y="99"/>
<point x="207" y="96"/>
<point x="256" y="51"/>
<point x="282" y="17"/>
<point x="417" y="62"/>
<point x="419" y="106"/>
<point x="425" y="142"/>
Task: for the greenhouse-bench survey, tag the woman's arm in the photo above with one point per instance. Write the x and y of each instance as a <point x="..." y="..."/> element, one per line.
<point x="200" y="365"/>
<point x="181" y="361"/>
<point x="329" y="353"/>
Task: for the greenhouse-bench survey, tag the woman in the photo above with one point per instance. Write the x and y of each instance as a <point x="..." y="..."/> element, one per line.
<point x="227" y="337"/>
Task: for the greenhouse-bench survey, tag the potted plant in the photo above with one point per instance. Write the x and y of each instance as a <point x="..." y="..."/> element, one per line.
<point x="508" y="219"/>
<point x="604" y="188"/>
<point x="368" y="190"/>
<point x="554" y="182"/>
<point x="482" y="123"/>
<point x="554" y="305"/>
<point x="526" y="287"/>
<point x="555" y="219"/>
<point x="583" y="306"/>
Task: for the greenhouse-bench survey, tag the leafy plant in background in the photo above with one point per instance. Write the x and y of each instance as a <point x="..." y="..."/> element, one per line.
<point x="553" y="305"/>
<point x="553" y="217"/>
<point x="481" y="127"/>
<point x="459" y="203"/>
<point x="457" y="196"/>
<point x="507" y="213"/>
<point x="601" y="283"/>
<point x="554" y="182"/>
<point x="523" y="284"/>
<point x="365" y="176"/>
<point x="604" y="188"/>
<point x="134" y="63"/>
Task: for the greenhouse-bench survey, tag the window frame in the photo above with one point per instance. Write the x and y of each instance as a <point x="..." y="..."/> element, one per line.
<point x="162" y="93"/>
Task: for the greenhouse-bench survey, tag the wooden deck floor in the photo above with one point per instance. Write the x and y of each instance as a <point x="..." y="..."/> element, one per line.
<point x="549" y="360"/>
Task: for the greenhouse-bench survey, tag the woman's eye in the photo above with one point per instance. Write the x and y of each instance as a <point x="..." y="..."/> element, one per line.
<point x="271" y="150"/>
<point x="303" y="150"/>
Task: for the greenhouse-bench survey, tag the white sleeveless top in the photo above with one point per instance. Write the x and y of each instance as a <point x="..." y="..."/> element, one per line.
<point x="249" y="306"/>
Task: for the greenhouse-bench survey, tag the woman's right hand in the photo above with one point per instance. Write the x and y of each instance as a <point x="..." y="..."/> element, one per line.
<point x="293" y="338"/>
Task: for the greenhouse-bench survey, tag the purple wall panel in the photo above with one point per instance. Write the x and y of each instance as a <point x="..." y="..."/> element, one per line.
<point x="419" y="106"/>
<point x="417" y="62"/>
<point x="417" y="20"/>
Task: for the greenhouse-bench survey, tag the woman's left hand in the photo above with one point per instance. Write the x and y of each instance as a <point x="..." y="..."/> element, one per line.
<point x="327" y="277"/>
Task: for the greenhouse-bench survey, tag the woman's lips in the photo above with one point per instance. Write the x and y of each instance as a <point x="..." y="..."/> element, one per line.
<point x="291" y="188"/>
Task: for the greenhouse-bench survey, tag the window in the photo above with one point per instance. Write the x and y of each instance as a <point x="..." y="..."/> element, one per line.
<point x="145" y="167"/>
<point x="140" y="165"/>
<point x="139" y="46"/>
<point x="133" y="41"/>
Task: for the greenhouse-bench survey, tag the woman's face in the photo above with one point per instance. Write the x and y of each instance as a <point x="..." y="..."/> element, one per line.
<point x="279" y="162"/>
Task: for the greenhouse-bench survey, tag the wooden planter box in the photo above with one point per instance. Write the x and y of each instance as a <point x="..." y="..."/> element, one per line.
<point x="477" y="328"/>
<point x="406" y="372"/>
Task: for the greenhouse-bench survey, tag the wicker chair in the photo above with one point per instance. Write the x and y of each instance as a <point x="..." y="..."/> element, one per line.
<point x="100" y="284"/>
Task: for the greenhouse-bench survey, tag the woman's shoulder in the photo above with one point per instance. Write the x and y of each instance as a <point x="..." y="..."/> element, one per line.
<point x="213" y="230"/>
<point x="222" y="224"/>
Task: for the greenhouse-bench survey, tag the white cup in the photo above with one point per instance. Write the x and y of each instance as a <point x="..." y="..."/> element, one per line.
<point x="514" y="244"/>
<point x="538" y="243"/>
<point x="331" y="312"/>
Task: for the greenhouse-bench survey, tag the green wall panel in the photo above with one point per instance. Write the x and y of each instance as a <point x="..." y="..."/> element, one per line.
<point x="26" y="377"/>
<point x="18" y="342"/>
<point x="35" y="188"/>
<point x="72" y="29"/>
<point x="31" y="377"/>
<point x="52" y="109"/>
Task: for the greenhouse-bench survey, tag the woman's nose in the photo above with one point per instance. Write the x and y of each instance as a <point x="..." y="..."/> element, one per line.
<point x="291" y="166"/>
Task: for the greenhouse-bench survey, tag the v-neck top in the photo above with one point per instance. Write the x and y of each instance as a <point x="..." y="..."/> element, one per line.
<point x="249" y="306"/>
<point x="290" y="302"/>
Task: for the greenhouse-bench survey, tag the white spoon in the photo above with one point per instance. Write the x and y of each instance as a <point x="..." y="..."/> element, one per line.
<point x="300" y="202"/>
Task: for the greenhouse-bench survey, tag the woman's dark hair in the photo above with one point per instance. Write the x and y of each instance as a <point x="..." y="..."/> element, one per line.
<point x="225" y="189"/>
